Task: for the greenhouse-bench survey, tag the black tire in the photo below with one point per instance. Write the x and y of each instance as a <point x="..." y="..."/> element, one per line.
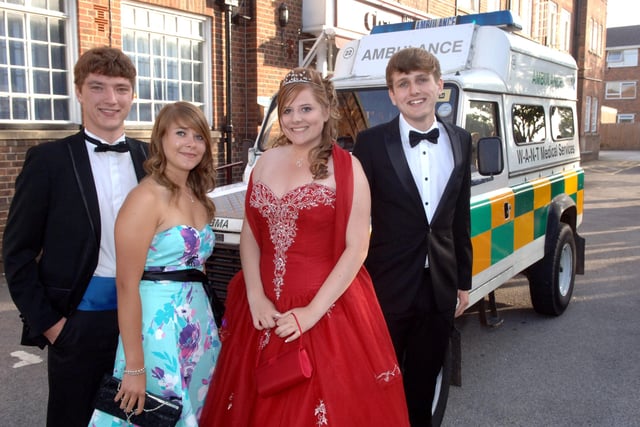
<point x="442" y="390"/>
<point x="552" y="278"/>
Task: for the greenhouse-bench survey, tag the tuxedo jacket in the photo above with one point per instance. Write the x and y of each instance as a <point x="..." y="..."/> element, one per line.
<point x="52" y="236"/>
<point x="401" y="235"/>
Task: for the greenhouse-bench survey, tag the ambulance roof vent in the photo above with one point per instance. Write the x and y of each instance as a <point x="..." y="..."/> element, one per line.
<point x="501" y="18"/>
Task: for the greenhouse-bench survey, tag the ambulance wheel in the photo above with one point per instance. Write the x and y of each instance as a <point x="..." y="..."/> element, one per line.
<point x="441" y="394"/>
<point x="552" y="278"/>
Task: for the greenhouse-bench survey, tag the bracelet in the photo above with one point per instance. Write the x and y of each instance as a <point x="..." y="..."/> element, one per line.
<point x="134" y="372"/>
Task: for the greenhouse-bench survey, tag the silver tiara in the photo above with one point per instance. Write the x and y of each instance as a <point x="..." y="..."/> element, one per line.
<point x="296" y="77"/>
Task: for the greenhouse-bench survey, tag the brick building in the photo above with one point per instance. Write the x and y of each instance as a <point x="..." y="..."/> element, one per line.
<point x="227" y="56"/>
<point x="622" y="71"/>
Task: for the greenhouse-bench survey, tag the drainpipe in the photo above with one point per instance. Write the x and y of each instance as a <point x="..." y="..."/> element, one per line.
<point x="228" y="127"/>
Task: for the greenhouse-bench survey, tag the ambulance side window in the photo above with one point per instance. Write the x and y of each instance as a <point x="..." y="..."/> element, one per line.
<point x="528" y="123"/>
<point x="481" y="121"/>
<point x="562" y="125"/>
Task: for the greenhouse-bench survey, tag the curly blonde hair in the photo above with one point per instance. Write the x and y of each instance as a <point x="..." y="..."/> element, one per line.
<point x="323" y="92"/>
<point x="202" y="178"/>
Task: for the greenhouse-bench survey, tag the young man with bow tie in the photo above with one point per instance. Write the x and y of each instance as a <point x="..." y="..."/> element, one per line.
<point x="420" y="253"/>
<point x="59" y="252"/>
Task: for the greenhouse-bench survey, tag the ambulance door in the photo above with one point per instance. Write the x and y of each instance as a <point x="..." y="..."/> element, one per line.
<point x="491" y="199"/>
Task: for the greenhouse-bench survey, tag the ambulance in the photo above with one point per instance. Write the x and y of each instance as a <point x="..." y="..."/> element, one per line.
<point x="517" y="98"/>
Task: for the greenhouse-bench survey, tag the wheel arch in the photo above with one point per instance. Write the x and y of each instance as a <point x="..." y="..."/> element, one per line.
<point x="563" y="210"/>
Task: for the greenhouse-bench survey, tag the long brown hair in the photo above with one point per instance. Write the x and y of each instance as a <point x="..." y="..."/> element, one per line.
<point x="323" y="92"/>
<point x="201" y="179"/>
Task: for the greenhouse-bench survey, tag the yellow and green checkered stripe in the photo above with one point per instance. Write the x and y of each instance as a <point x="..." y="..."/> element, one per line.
<point x="495" y="234"/>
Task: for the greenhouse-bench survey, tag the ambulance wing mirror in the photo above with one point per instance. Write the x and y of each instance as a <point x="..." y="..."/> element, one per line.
<point x="490" y="161"/>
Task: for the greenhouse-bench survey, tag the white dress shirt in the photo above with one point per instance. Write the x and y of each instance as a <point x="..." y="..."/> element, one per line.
<point x="114" y="176"/>
<point x="431" y="165"/>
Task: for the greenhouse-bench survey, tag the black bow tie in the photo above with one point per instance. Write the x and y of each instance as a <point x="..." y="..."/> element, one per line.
<point x="416" y="137"/>
<point x="101" y="147"/>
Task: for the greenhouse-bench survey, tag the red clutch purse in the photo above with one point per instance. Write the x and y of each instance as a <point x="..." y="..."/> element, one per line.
<point x="284" y="370"/>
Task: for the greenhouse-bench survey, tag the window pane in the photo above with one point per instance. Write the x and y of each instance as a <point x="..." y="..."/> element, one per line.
<point x="198" y="95"/>
<point x="5" y="108"/>
<point x="145" y="113"/>
<point x="41" y="82"/>
<point x="156" y="45"/>
<point x="157" y="68"/>
<point x="187" y="92"/>
<point x="628" y="90"/>
<point x="40" y="55"/>
<point x="528" y="123"/>
<point x="158" y="90"/>
<point x="59" y="83"/>
<point x="58" y="57"/>
<point x="172" y="69"/>
<point x="42" y="4"/>
<point x="173" y="93"/>
<point x="185" y="49"/>
<point x="60" y="109"/>
<point x="56" y="31"/>
<point x="185" y="71"/>
<point x="43" y="109"/>
<point x="144" y="88"/>
<point x="16" y="52"/>
<point x="142" y="43"/>
<point x="172" y="47"/>
<point x="38" y="28"/>
<point x="18" y="80"/>
<point x="3" y="54"/>
<point x="20" y="110"/>
<point x="562" y="123"/>
<point x="127" y="41"/>
<point x="4" y="80"/>
<point x="15" y="26"/>
<point x="143" y="66"/>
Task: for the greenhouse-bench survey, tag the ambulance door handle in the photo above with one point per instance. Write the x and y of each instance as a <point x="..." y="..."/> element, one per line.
<point x="507" y="210"/>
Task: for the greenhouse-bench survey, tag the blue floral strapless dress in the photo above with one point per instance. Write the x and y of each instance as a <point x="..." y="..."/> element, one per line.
<point x="180" y="338"/>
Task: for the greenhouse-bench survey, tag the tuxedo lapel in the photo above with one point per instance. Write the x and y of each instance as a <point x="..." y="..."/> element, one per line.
<point x="456" y="148"/>
<point x="138" y="156"/>
<point x="81" y="167"/>
<point x="393" y="145"/>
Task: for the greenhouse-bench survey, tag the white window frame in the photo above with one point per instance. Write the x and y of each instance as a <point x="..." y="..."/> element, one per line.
<point x="564" y="42"/>
<point x="594" y="115"/>
<point x="587" y="114"/>
<point x="626" y="118"/>
<point x="622" y="58"/>
<point x="616" y="90"/>
<point x="595" y="40"/>
<point x="32" y="99"/>
<point x="147" y="43"/>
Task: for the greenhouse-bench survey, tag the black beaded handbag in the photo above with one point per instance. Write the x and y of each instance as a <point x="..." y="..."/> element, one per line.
<point x="158" y="411"/>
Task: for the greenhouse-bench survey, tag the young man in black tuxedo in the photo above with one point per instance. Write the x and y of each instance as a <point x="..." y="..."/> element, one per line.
<point x="420" y="253"/>
<point x="59" y="252"/>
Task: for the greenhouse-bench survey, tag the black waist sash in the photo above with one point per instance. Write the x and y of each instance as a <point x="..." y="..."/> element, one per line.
<point x="189" y="275"/>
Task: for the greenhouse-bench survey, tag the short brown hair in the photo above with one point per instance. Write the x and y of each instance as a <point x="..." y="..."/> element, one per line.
<point x="412" y="59"/>
<point x="107" y="61"/>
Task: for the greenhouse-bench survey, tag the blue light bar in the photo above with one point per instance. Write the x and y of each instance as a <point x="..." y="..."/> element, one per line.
<point x="501" y="18"/>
